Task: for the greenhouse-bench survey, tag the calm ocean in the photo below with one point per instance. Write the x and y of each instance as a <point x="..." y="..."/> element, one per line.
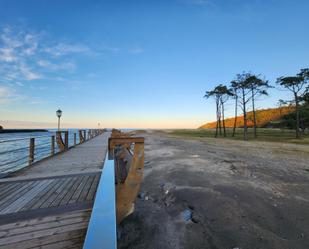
<point x="14" y="148"/>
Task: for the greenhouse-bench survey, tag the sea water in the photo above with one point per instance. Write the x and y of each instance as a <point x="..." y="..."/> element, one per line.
<point x="14" y="148"/>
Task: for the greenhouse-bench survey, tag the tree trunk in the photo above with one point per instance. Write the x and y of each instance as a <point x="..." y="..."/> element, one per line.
<point x="245" y="115"/>
<point x="219" y="113"/>
<point x="254" y="115"/>
<point x="235" y="120"/>
<point x="217" y="125"/>
<point x="223" y="121"/>
<point x="297" y="115"/>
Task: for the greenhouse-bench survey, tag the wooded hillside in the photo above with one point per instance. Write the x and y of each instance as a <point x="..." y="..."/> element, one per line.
<point x="264" y="117"/>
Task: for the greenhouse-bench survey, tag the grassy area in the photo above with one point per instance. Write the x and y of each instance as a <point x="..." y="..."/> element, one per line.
<point x="264" y="134"/>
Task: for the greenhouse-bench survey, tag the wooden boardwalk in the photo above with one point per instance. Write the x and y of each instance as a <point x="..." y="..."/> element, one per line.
<point x="49" y="204"/>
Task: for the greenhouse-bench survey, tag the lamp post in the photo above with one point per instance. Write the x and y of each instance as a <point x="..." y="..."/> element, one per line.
<point x="59" y="113"/>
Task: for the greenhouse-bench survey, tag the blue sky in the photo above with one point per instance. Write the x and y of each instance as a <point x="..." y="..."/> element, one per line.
<point x="140" y="64"/>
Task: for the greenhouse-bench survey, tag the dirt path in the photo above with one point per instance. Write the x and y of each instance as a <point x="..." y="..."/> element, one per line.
<point x="220" y="194"/>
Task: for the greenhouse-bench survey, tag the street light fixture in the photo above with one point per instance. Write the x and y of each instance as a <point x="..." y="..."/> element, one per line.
<point x="59" y="114"/>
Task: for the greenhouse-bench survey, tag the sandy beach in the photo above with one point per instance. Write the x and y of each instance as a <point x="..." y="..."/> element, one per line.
<point x="215" y="193"/>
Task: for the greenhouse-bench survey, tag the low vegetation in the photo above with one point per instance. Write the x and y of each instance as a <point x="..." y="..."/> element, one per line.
<point x="264" y="134"/>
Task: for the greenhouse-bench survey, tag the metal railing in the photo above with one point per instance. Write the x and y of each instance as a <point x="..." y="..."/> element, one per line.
<point x="19" y="153"/>
<point x="101" y="232"/>
<point x="118" y="187"/>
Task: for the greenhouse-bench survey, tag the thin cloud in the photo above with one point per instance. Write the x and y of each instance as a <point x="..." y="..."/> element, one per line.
<point x="8" y="95"/>
<point x="4" y="94"/>
<point x="110" y="49"/>
<point x="200" y="2"/>
<point x="32" y="44"/>
<point x="62" y="49"/>
<point x="55" y="67"/>
<point x="6" y="55"/>
<point x="136" y="50"/>
<point x="28" y="73"/>
<point x="209" y="4"/>
<point x="27" y="55"/>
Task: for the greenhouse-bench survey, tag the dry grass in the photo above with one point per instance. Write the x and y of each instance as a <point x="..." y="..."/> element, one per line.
<point x="264" y="134"/>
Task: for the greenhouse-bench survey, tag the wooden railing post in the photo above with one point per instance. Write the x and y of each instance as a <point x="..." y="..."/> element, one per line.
<point x="74" y="139"/>
<point x="31" y="151"/>
<point x="81" y="136"/>
<point x="52" y="146"/>
<point x="66" y="140"/>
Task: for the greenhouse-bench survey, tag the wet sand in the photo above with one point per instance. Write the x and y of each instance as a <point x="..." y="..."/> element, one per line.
<point x="215" y="193"/>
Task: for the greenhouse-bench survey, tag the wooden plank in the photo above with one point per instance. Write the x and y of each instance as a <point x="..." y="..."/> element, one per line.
<point x="86" y="188"/>
<point x="62" y="221"/>
<point x="54" y="195"/>
<point x="79" y="189"/>
<point x="31" y="195"/>
<point x="23" y="200"/>
<point x="11" y="192"/>
<point x="24" y="179"/>
<point x="64" y="192"/>
<point x="42" y="233"/>
<point x="41" y="201"/>
<point x="65" y="244"/>
<point x="93" y="188"/>
<point x="42" y="212"/>
<point x="16" y="194"/>
<point x="47" y="240"/>
<point x="75" y="247"/>
<point x="71" y="191"/>
<point x="42" y="196"/>
<point x="5" y="188"/>
<point x="45" y="219"/>
<point x="112" y="141"/>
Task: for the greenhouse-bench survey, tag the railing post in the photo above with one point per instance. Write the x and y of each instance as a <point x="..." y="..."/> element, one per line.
<point x="85" y="135"/>
<point x="66" y="140"/>
<point x="52" y="146"/>
<point x="74" y="139"/>
<point x="31" y="151"/>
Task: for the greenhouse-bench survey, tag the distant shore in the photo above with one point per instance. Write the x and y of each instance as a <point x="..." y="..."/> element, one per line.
<point x="22" y="130"/>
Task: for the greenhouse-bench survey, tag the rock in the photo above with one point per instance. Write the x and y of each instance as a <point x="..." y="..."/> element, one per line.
<point x="167" y="187"/>
<point x="142" y="195"/>
<point x="187" y="214"/>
